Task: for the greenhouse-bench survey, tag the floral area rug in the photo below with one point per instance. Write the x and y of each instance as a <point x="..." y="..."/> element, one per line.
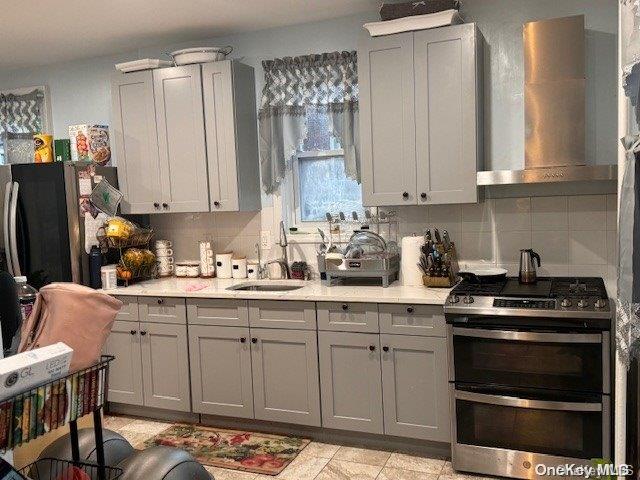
<point x="233" y="449"/>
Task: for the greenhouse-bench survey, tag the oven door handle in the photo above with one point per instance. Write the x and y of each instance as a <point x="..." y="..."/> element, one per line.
<point x="529" y="336"/>
<point x="527" y="403"/>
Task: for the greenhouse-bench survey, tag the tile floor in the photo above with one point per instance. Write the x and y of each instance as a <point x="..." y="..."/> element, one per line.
<point x="318" y="461"/>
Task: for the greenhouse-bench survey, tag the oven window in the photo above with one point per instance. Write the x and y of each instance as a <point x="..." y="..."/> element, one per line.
<point x="565" y="366"/>
<point x="552" y="432"/>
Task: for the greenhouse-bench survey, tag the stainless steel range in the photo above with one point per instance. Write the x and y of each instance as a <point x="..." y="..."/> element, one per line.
<point x="529" y="374"/>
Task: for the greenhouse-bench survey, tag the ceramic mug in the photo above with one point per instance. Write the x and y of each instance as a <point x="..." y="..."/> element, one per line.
<point x="164" y="262"/>
<point x="164" y="252"/>
<point x="162" y="244"/>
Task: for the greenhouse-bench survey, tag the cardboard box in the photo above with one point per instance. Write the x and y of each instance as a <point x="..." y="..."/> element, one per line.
<point x="90" y="143"/>
<point x="26" y="370"/>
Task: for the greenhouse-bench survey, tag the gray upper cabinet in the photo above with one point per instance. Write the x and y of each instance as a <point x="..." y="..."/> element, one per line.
<point x="165" y="366"/>
<point x="448" y="113"/>
<point x="221" y="370"/>
<point x="125" y="373"/>
<point x="285" y="376"/>
<point x="421" y="116"/>
<point x="186" y="138"/>
<point x="181" y="139"/>
<point x="350" y="381"/>
<point x="133" y="123"/>
<point x="415" y="386"/>
<point x="387" y="131"/>
<point x="232" y="144"/>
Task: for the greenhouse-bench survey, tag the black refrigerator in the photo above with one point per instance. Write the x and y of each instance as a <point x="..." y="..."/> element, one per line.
<point x="42" y="219"/>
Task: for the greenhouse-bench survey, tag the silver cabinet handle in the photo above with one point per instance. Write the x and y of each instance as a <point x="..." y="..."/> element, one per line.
<point x="14" y="235"/>
<point x="6" y="225"/>
<point x="526" y="403"/>
<point x="528" y="336"/>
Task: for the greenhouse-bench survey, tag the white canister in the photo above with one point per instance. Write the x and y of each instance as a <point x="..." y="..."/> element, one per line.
<point x="253" y="269"/>
<point x="239" y="267"/>
<point x="223" y="265"/>
<point x="109" y="277"/>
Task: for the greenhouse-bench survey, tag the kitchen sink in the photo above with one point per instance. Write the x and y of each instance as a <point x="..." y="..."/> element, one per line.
<point x="265" y="287"/>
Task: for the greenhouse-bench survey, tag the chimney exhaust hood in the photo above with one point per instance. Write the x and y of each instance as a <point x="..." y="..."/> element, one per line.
<point x="554" y="107"/>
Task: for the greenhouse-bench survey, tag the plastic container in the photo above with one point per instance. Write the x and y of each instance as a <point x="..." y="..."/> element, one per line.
<point x="26" y="296"/>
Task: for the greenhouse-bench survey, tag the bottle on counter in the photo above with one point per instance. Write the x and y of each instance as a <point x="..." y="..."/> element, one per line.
<point x="26" y="296"/>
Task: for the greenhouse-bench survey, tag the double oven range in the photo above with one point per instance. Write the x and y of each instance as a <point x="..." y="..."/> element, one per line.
<point x="529" y="373"/>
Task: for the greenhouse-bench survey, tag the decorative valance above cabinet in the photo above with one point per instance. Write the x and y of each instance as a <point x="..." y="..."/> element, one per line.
<point x="186" y="138"/>
<point x="421" y="116"/>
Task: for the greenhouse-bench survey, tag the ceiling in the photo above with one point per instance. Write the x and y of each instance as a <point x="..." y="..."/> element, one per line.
<point x="33" y="32"/>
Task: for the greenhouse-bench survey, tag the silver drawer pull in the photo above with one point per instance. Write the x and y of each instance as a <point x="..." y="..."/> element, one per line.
<point x="526" y="403"/>
<point x="528" y="336"/>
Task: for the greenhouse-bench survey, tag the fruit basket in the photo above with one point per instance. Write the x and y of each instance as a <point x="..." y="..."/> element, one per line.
<point x="140" y="237"/>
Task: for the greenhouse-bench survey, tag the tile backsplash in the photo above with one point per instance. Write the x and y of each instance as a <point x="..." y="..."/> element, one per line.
<point x="574" y="235"/>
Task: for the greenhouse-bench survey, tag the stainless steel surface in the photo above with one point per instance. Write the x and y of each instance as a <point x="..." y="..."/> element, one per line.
<point x="13" y="234"/>
<point x="484" y="306"/>
<point x="549" y="175"/>
<point x="5" y="177"/>
<point x="263" y="287"/>
<point x="517" y="402"/>
<point x="520" y="336"/>
<point x="76" y="230"/>
<point x="6" y="226"/>
<point x="554" y="104"/>
<point x="528" y="259"/>
<point x="284" y="244"/>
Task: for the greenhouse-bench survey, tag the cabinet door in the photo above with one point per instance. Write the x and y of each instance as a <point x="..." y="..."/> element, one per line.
<point x="348" y="317"/>
<point x="162" y="310"/>
<point x="415" y="387"/>
<point x="351" y="381"/>
<point x="217" y="86"/>
<point x="285" y="376"/>
<point x="133" y="123"/>
<point x="221" y="370"/>
<point x="125" y="372"/>
<point x="165" y="366"/>
<point x="424" y="320"/>
<point x="181" y="139"/>
<point x="387" y="124"/>
<point x="447" y="100"/>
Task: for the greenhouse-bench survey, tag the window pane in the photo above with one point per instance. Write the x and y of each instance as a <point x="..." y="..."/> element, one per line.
<point x="324" y="187"/>
<point x="318" y="133"/>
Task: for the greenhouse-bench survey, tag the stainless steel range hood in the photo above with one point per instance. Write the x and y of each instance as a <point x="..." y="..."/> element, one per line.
<point x="554" y="104"/>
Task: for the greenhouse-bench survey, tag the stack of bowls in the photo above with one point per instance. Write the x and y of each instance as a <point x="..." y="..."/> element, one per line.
<point x="164" y="257"/>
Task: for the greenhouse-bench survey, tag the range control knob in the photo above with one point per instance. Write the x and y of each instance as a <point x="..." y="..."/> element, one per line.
<point x="583" y="303"/>
<point x="600" y="303"/>
<point x="468" y="299"/>
<point x="566" y="302"/>
<point x="454" y="299"/>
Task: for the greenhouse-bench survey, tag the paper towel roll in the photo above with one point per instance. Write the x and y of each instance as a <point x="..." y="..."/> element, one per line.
<point x="410" y="274"/>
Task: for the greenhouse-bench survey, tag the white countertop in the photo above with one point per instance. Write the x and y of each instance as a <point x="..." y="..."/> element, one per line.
<point x="311" y="291"/>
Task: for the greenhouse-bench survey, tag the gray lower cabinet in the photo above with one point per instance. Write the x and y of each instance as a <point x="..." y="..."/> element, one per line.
<point x="129" y="310"/>
<point x="125" y="373"/>
<point x="221" y="370"/>
<point x="165" y="366"/>
<point x="350" y="381"/>
<point x="162" y="310"/>
<point x="415" y="386"/>
<point x="348" y="317"/>
<point x="423" y="320"/>
<point x="285" y="376"/>
<point x="224" y="312"/>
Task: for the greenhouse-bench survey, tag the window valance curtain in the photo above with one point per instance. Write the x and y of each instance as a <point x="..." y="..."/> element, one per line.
<point x="20" y="114"/>
<point x="326" y="82"/>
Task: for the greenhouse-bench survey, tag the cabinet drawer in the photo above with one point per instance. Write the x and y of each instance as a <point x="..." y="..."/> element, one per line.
<point x="348" y="317"/>
<point x="424" y="320"/>
<point x="162" y="310"/>
<point x="282" y="314"/>
<point x="129" y="310"/>
<point x="226" y="313"/>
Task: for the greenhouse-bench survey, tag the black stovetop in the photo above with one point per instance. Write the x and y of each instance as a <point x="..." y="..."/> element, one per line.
<point x="547" y="287"/>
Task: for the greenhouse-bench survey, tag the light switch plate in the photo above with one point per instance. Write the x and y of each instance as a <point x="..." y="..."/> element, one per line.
<point x="265" y="239"/>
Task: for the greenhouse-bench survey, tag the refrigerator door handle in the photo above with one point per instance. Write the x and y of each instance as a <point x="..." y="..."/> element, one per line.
<point x="13" y="239"/>
<point x="6" y="225"/>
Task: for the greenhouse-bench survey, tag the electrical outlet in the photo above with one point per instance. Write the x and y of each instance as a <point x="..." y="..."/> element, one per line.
<point x="265" y="239"/>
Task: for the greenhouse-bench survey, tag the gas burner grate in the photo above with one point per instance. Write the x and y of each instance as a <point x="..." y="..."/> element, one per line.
<point x="466" y="287"/>
<point x="582" y="287"/>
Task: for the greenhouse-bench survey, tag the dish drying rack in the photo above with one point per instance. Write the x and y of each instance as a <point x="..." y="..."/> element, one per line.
<point x="51" y="405"/>
<point x="384" y="223"/>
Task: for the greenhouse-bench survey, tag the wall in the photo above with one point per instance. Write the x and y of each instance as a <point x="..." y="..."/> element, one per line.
<point x="80" y="93"/>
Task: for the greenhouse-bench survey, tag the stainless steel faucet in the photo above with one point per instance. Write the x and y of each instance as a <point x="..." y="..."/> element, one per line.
<point x="284" y="244"/>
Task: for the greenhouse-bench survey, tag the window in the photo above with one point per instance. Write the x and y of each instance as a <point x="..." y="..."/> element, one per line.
<point x="23" y="112"/>
<point x="319" y="183"/>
